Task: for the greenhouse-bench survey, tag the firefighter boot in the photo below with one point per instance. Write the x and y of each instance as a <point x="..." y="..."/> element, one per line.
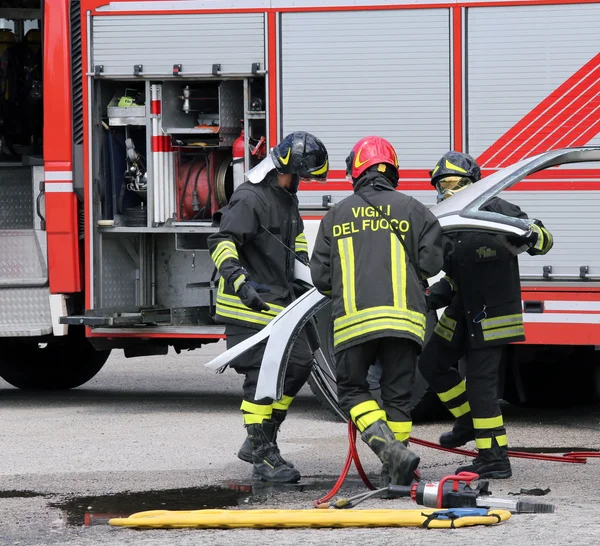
<point x="385" y="479"/>
<point x="490" y="463"/>
<point x="268" y="464"/>
<point x="400" y="461"/>
<point x="461" y="433"/>
<point x="271" y="429"/>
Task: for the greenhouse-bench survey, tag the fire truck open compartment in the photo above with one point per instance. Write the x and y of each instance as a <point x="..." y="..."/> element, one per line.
<point x="162" y="166"/>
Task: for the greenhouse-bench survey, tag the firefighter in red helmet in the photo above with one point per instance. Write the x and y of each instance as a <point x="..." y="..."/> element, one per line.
<point x="372" y="251"/>
<point x="482" y="294"/>
<point x="260" y="236"/>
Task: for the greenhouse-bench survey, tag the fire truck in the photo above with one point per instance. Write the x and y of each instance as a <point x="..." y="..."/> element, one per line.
<point x="126" y="124"/>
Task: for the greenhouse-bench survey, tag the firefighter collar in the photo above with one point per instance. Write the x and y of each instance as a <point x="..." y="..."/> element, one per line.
<point x="257" y="174"/>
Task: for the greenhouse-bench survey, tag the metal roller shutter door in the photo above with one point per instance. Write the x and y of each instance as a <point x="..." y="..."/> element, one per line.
<point x="346" y="75"/>
<point x="196" y="41"/>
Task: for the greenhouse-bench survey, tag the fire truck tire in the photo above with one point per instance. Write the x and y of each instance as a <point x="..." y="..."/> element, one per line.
<point x="426" y="404"/>
<point x="552" y="376"/>
<point x="62" y="363"/>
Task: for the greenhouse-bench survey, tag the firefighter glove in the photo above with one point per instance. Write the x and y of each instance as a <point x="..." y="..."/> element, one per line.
<point x="250" y="298"/>
<point x="529" y="239"/>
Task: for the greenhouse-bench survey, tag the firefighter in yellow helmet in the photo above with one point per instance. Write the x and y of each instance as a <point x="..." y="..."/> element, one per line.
<point x="371" y="254"/>
<point x="260" y="235"/>
<point x="482" y="292"/>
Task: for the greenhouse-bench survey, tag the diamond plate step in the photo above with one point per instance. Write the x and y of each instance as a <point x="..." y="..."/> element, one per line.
<point x="23" y="260"/>
<point x="25" y="312"/>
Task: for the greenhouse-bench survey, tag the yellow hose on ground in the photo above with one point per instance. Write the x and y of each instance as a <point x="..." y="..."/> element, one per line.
<point x="262" y="519"/>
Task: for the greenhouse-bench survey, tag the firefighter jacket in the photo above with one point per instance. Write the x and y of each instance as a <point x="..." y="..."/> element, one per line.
<point x="482" y="286"/>
<point x="256" y="226"/>
<point x="376" y="288"/>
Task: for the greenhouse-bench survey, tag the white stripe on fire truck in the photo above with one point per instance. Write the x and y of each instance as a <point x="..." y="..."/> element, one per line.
<point x="58" y="175"/>
<point x="58" y="187"/>
<point x="556" y="305"/>
<point x="567" y="318"/>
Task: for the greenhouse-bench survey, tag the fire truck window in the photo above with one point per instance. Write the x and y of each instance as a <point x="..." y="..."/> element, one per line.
<point x="20" y="89"/>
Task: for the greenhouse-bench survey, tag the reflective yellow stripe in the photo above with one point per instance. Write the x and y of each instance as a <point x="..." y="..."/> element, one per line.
<point x="505" y="320"/>
<point x="223" y="251"/>
<point x="253" y="419"/>
<point x="453" y="392"/>
<point x="483" y="443"/>
<point x="284" y="403"/>
<point x="371" y="326"/>
<point x="259" y="409"/>
<point x="502" y="440"/>
<point x="401" y="429"/>
<point x="232" y="307"/>
<point x="301" y="243"/>
<point x="488" y="422"/>
<point x="502" y="333"/>
<point x="398" y="260"/>
<point x="365" y="421"/>
<point x="346" y="250"/>
<point x="363" y="407"/>
<point x="549" y="241"/>
<point x="383" y="311"/>
<point x="539" y="244"/>
<point x="486" y="443"/>
<point x="443" y="332"/>
<point x="460" y="410"/>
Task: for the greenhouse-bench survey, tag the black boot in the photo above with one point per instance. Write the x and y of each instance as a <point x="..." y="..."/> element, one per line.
<point x="400" y="461"/>
<point x="461" y="433"/>
<point x="267" y="463"/>
<point x="245" y="452"/>
<point x="490" y="463"/>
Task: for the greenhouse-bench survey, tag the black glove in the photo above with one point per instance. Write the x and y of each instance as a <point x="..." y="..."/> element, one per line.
<point x="303" y="257"/>
<point x="250" y="298"/>
<point x="529" y="239"/>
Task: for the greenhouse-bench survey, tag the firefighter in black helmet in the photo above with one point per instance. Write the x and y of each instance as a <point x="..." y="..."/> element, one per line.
<point x="261" y="235"/>
<point x="482" y="292"/>
<point x="370" y="256"/>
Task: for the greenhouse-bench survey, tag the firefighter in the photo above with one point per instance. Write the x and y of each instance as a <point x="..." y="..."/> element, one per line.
<point x="481" y="289"/>
<point x="372" y="251"/>
<point x="260" y="235"/>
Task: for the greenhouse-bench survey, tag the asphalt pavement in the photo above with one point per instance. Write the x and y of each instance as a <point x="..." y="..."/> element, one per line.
<point x="163" y="432"/>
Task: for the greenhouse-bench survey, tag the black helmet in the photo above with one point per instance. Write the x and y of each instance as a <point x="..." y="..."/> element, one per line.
<point x="455" y="164"/>
<point x="302" y="154"/>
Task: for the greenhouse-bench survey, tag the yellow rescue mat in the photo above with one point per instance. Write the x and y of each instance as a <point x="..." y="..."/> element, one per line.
<point x="430" y="518"/>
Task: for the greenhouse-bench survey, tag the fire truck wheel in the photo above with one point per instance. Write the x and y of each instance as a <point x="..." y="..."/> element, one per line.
<point x="552" y="376"/>
<point x="426" y="404"/>
<point x="61" y="363"/>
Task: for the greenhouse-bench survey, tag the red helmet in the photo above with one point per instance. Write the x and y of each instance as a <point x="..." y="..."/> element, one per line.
<point x="370" y="151"/>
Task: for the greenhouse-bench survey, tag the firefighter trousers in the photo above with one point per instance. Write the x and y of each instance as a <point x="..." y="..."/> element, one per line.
<point x="398" y="359"/>
<point x="248" y="365"/>
<point x="473" y="400"/>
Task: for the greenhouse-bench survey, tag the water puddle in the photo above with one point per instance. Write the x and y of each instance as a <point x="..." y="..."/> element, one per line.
<point x="97" y="510"/>
<point x="14" y="494"/>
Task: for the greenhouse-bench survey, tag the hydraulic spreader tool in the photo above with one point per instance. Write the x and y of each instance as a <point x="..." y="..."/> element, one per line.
<point x="454" y="491"/>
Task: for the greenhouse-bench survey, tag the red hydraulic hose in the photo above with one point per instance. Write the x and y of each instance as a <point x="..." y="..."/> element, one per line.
<point x="352" y="456"/>
<point x="573" y="457"/>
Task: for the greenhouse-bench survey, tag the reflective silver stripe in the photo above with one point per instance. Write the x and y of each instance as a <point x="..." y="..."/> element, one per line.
<point x="378" y="312"/>
<point x="58" y="187"/>
<point x="488" y="324"/>
<point x="443" y="332"/>
<point x="501" y="333"/>
<point x="446" y="321"/>
<point x="58" y="175"/>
